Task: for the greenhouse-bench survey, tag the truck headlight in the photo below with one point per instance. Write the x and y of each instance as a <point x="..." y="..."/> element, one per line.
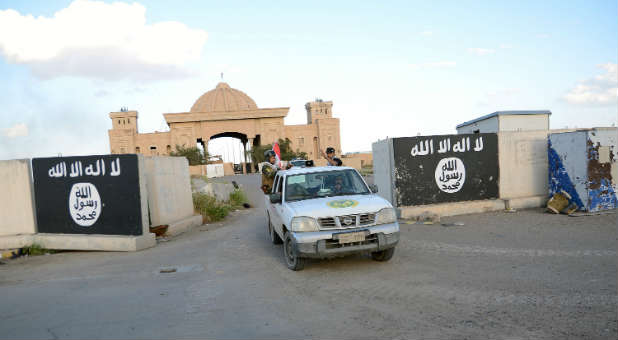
<point x="386" y="215"/>
<point x="301" y="224"/>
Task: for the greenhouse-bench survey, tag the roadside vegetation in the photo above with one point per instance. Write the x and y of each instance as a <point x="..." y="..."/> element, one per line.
<point x="193" y="154"/>
<point x="36" y="249"/>
<point x="287" y="153"/>
<point x="213" y="210"/>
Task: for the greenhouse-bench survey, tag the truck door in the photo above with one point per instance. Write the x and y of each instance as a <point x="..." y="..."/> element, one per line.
<point x="277" y="208"/>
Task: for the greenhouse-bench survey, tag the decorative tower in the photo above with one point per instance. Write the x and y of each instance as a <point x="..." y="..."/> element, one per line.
<point x="123" y="132"/>
<point x="318" y="109"/>
<point x="124" y="120"/>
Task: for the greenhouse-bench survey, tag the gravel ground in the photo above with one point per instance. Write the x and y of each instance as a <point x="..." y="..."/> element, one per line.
<point x="501" y="275"/>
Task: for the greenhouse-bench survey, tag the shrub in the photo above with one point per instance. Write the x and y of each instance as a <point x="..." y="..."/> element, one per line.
<point x="193" y="154"/>
<point x="237" y="198"/>
<point x="36" y="249"/>
<point x="208" y="206"/>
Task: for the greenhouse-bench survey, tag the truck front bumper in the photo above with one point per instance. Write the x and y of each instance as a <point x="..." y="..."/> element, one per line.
<point x="321" y="244"/>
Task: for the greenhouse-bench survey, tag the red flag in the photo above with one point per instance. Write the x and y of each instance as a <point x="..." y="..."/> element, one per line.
<point x="277" y="153"/>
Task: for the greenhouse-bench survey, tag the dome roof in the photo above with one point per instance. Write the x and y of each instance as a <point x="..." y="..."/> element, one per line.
<point x="223" y="98"/>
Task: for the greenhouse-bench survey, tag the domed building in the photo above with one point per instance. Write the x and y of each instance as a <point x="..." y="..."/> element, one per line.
<point x="228" y="112"/>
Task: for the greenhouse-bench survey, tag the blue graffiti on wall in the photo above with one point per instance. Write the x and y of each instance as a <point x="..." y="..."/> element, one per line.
<point x="603" y="197"/>
<point x="559" y="178"/>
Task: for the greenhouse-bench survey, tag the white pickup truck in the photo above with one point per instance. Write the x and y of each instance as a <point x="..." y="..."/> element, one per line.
<point x="320" y="212"/>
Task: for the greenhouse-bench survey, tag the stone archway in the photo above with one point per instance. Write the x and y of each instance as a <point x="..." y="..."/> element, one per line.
<point x="245" y="141"/>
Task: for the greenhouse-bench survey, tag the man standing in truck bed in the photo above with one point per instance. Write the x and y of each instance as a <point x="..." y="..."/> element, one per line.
<point x="269" y="169"/>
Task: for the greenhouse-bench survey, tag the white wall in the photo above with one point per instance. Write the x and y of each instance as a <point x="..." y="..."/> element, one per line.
<point x="523" y="164"/>
<point x="523" y="122"/>
<point x="383" y="168"/>
<point x="489" y="125"/>
<point x="16" y="198"/>
<point x="169" y="189"/>
<point x="571" y="148"/>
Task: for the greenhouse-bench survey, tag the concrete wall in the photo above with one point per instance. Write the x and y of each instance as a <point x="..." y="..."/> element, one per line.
<point x="214" y="170"/>
<point x="523" y="122"/>
<point x="383" y="168"/>
<point x="489" y="125"/>
<point x="366" y="158"/>
<point x="197" y="170"/>
<point x="352" y="162"/>
<point x="169" y="189"/>
<point x="602" y="169"/>
<point x="228" y="169"/>
<point x="583" y="164"/>
<point x="567" y="165"/>
<point x="16" y="198"/>
<point x="523" y="164"/>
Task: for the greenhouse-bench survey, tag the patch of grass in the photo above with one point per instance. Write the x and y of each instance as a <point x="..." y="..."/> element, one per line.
<point x="210" y="209"/>
<point x="36" y="249"/>
<point x="237" y="198"/>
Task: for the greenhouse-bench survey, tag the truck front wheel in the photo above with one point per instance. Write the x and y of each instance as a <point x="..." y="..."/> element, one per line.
<point x="383" y="255"/>
<point x="291" y="258"/>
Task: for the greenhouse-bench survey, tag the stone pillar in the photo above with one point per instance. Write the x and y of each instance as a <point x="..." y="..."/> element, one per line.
<point x="244" y="157"/>
<point x="250" y="147"/>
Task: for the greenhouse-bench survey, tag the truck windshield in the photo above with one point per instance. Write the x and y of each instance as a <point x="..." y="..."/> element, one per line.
<point x="324" y="184"/>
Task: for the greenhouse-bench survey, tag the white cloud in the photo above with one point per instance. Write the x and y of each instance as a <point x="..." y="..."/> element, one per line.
<point x="17" y="130"/>
<point x="99" y="40"/>
<point x="506" y="46"/>
<point x="435" y="64"/>
<point x="481" y="51"/>
<point x="426" y="33"/>
<point x="599" y="90"/>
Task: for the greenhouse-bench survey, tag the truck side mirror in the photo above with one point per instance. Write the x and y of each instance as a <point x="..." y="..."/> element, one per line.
<point x="275" y="198"/>
<point x="373" y="188"/>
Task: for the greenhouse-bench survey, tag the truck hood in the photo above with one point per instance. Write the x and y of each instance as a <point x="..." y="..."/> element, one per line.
<point x="339" y="205"/>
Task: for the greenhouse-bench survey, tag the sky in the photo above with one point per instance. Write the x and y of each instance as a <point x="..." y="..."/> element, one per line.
<point x="391" y="68"/>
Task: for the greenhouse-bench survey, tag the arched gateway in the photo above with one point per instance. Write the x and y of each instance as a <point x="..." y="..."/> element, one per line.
<point x="227" y="112"/>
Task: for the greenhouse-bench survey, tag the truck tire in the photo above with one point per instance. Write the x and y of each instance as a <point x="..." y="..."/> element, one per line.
<point x="274" y="237"/>
<point x="291" y="259"/>
<point x="383" y="255"/>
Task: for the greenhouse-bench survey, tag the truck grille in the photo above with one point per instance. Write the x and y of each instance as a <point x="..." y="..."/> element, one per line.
<point x="347" y="221"/>
<point x="327" y="222"/>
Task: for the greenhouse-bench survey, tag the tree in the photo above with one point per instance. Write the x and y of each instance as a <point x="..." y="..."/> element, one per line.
<point x="193" y="154"/>
<point x="257" y="152"/>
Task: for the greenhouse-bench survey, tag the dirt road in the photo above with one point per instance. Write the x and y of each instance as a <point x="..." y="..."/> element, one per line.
<point x="520" y="275"/>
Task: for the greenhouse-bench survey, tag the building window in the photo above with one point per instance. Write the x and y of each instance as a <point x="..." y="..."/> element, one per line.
<point x="118" y="121"/>
<point x="301" y="141"/>
<point x="137" y="149"/>
<point x="169" y="149"/>
<point x="129" y="120"/>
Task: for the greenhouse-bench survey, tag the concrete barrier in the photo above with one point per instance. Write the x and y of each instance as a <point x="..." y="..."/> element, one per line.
<point x="95" y="242"/>
<point x="61" y="239"/>
<point x="16" y="198"/>
<point x="169" y="193"/>
<point x="197" y="170"/>
<point x="523" y="164"/>
<point x="452" y="209"/>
